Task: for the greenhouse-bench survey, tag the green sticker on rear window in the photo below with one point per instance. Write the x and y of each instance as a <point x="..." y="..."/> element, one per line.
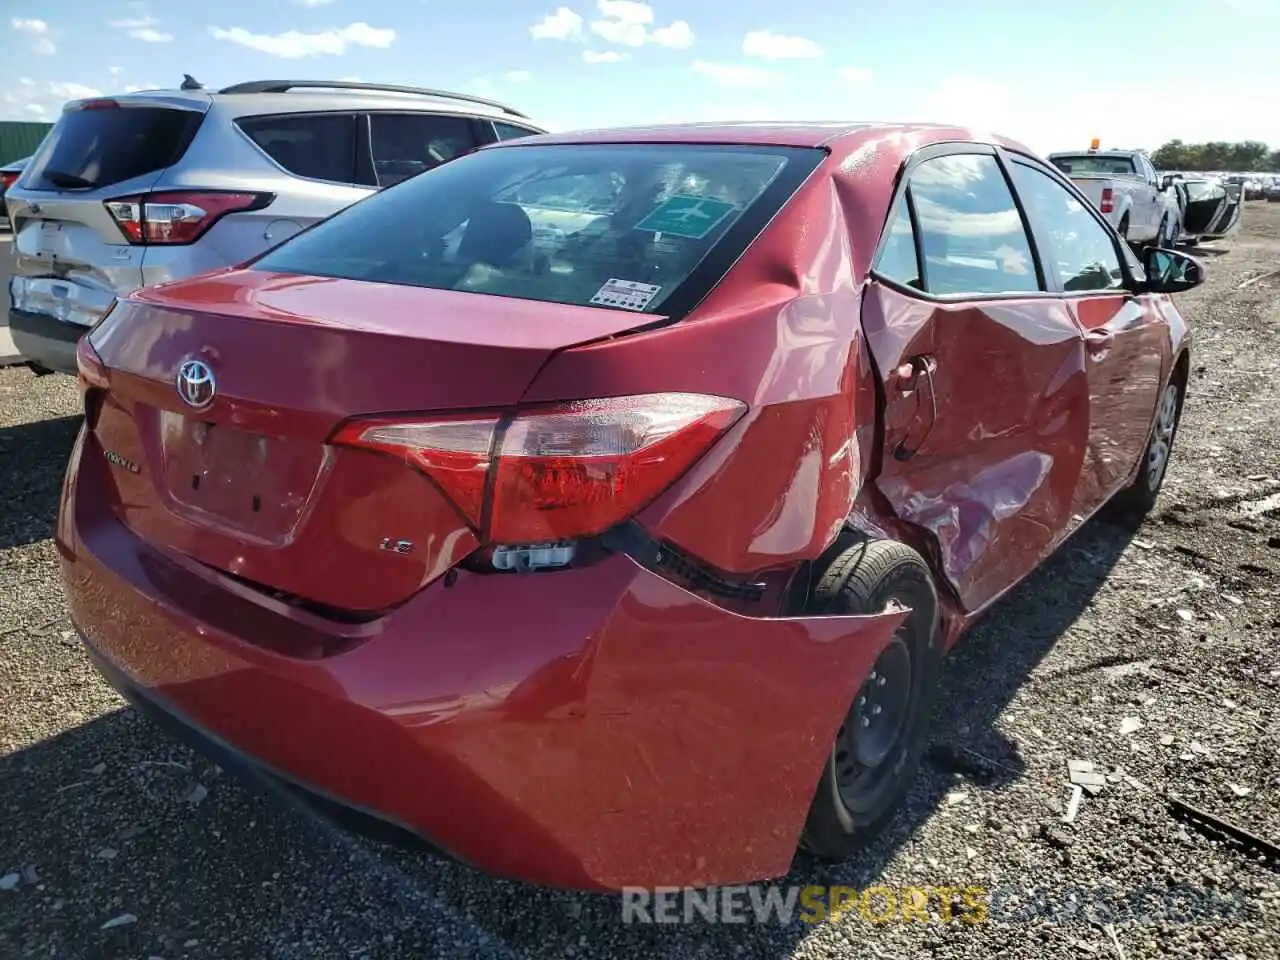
<point x="692" y="217"/>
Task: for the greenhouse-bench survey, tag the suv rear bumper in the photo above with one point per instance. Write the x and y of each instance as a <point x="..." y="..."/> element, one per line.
<point x="591" y="728"/>
<point x="45" y="341"/>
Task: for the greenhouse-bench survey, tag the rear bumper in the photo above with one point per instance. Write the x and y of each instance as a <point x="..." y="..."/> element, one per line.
<point x="591" y="728"/>
<point x="46" y="341"/>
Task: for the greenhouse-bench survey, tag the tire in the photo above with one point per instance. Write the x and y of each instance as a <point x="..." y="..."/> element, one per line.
<point x="867" y="775"/>
<point x="1139" y="498"/>
<point x="1124" y="228"/>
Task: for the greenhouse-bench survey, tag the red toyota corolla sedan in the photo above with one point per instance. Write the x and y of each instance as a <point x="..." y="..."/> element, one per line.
<point x="599" y="506"/>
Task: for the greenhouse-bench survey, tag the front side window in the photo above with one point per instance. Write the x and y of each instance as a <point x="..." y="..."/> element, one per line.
<point x="971" y="234"/>
<point x="610" y="225"/>
<point x="1079" y="248"/>
<point x="407" y="144"/>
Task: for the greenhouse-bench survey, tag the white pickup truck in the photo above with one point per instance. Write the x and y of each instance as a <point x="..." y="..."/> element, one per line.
<point x="1124" y="186"/>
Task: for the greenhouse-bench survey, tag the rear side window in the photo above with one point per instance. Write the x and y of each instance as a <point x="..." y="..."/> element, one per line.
<point x="897" y="259"/>
<point x="509" y="131"/>
<point x="100" y="147"/>
<point x="319" y="147"/>
<point x="971" y="234"/>
<point x="646" y="227"/>
<point x="407" y="144"/>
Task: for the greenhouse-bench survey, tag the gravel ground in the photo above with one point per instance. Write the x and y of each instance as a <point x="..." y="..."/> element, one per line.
<point x="1149" y="653"/>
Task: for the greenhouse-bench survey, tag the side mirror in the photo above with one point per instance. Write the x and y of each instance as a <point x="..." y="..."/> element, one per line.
<point x="1169" y="271"/>
<point x="1167" y="181"/>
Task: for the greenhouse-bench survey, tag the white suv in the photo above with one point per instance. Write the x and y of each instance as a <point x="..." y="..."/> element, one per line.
<point x="154" y="186"/>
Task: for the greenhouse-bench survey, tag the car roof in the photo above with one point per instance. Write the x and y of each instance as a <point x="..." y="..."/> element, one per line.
<point x="838" y="136"/>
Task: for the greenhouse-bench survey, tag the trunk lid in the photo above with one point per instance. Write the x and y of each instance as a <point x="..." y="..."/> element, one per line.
<point x="71" y="258"/>
<point x="247" y="483"/>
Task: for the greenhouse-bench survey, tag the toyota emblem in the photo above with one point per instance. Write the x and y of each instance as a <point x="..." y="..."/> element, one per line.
<point x="196" y="385"/>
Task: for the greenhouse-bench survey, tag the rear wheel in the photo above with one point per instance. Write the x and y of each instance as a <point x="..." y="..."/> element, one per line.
<point x="1163" y="239"/>
<point x="877" y="750"/>
<point x="1139" y="498"/>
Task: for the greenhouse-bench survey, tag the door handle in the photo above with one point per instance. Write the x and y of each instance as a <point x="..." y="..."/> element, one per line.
<point x="907" y="374"/>
<point x="1099" y="342"/>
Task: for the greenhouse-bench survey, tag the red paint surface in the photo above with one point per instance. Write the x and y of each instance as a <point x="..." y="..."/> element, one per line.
<point x="599" y="726"/>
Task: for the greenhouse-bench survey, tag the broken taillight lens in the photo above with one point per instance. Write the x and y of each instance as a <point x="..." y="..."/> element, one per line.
<point x="560" y="473"/>
<point x="178" y="217"/>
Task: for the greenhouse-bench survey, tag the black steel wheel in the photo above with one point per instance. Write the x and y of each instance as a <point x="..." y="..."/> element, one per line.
<point x="877" y="750"/>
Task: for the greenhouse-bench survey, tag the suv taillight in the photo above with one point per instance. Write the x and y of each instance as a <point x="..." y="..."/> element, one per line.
<point x="1108" y="200"/>
<point x="555" y="474"/>
<point x="178" y="217"/>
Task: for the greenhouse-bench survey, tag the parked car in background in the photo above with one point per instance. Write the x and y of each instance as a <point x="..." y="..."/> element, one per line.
<point x="1273" y="190"/>
<point x="1210" y="209"/>
<point x="596" y="607"/>
<point x="155" y="186"/>
<point x="1123" y="185"/>
<point x="8" y="176"/>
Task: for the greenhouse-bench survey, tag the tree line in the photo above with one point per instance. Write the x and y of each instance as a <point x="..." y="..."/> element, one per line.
<point x="1244" y="157"/>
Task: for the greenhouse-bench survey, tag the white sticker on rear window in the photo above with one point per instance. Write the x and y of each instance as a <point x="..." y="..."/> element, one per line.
<point x="625" y="294"/>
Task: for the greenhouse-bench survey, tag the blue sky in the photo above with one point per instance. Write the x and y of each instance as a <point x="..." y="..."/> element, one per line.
<point x="1050" y="74"/>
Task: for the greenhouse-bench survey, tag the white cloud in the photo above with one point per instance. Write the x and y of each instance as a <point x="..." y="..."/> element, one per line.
<point x="855" y="75"/>
<point x="775" y="46"/>
<point x="629" y="23"/>
<point x="29" y="26"/>
<point x="678" y="35"/>
<point x="28" y="99"/>
<point x="294" y="45"/>
<point x="1062" y="113"/>
<point x="72" y="91"/>
<point x="38" y="34"/>
<point x="564" y="24"/>
<point x="518" y="76"/>
<point x="730" y="75"/>
<point x="144" y="29"/>
<point x="138" y="87"/>
<point x="625" y="22"/>
<point x="605" y="56"/>
<point x="115" y="71"/>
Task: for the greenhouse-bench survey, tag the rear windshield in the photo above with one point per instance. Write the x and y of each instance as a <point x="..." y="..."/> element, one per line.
<point x="1119" y="166"/>
<point x="96" y="148"/>
<point x="631" y="226"/>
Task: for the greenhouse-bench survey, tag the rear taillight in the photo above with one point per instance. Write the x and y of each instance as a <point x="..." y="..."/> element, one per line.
<point x="1108" y="200"/>
<point x="178" y="217"/>
<point x="555" y="474"/>
<point x="93" y="372"/>
<point x="7" y="180"/>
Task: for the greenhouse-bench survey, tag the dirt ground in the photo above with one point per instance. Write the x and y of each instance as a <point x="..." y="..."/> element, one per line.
<point x="1151" y="653"/>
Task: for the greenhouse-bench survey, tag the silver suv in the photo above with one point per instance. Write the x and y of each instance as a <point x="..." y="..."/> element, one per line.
<point x="134" y="190"/>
